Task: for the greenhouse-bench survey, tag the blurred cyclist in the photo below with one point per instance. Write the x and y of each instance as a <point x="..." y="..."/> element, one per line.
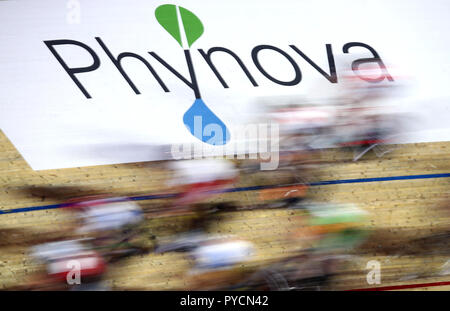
<point x="329" y="232"/>
<point x="366" y="119"/>
<point x="217" y="259"/>
<point x="69" y="265"/>
<point x="201" y="180"/>
<point x="112" y="222"/>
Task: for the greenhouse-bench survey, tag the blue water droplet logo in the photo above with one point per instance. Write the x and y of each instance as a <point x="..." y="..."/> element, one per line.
<point x="205" y="125"/>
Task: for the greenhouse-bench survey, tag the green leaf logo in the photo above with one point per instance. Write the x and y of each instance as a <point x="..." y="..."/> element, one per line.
<point x="193" y="27"/>
<point x="166" y="15"/>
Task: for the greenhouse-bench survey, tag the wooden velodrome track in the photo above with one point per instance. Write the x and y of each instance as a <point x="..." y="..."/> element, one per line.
<point x="401" y="210"/>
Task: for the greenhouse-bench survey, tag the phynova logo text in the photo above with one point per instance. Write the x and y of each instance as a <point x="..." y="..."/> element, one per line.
<point x="186" y="28"/>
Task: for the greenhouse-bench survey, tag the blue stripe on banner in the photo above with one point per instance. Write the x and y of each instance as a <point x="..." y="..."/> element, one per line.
<point x="253" y="188"/>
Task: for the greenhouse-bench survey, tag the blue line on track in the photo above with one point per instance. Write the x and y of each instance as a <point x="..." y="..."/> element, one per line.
<point x="253" y="188"/>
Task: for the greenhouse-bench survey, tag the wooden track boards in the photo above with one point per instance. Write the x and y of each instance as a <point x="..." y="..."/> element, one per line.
<point x="400" y="211"/>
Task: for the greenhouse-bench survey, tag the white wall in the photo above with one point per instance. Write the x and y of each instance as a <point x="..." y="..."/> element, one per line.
<point x="53" y="125"/>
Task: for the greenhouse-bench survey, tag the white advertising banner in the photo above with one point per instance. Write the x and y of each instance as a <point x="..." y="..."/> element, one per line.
<point x="91" y="82"/>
